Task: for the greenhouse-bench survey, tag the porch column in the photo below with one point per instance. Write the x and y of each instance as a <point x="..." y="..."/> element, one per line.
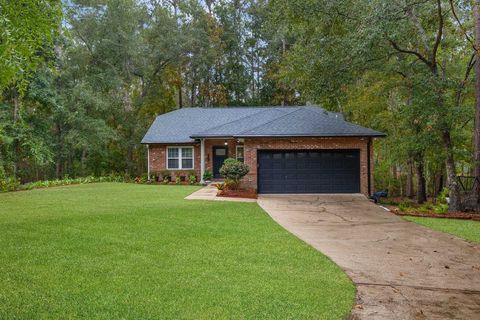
<point x="148" y="162"/>
<point x="202" y="160"/>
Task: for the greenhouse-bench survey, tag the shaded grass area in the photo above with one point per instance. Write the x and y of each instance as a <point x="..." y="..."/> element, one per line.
<point x="467" y="229"/>
<point x="114" y="250"/>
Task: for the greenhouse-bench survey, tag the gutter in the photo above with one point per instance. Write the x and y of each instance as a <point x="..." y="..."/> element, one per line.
<point x="379" y="135"/>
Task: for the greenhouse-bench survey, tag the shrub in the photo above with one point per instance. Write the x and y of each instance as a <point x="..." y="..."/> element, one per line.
<point x="426" y="207"/>
<point x="178" y="180"/>
<point x="192" y="179"/>
<point x="441" y="208"/>
<point x="233" y="171"/>
<point x="166" y="175"/>
<point x="11" y="184"/>
<point x="8" y="184"/>
<point x="207" y="175"/>
<point x="220" y="186"/>
<point x="443" y="195"/>
<point x="404" y="206"/>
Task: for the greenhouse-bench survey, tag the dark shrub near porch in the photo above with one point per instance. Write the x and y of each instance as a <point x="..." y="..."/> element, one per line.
<point x="233" y="171"/>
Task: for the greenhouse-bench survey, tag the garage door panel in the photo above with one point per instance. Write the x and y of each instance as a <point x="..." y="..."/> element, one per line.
<point x="317" y="171"/>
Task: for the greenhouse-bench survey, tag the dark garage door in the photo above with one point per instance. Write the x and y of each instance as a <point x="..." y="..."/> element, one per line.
<point x="309" y="171"/>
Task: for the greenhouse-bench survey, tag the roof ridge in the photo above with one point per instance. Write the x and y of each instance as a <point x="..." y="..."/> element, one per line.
<point x="265" y="123"/>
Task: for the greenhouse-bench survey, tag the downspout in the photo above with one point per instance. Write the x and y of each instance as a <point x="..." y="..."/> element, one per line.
<point x="202" y="160"/>
<point x="148" y="162"/>
<point x="369" y="169"/>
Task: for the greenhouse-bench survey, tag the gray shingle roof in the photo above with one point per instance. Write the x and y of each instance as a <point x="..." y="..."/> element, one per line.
<point x="184" y="125"/>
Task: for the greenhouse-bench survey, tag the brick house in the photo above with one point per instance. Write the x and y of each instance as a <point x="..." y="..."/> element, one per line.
<point x="288" y="149"/>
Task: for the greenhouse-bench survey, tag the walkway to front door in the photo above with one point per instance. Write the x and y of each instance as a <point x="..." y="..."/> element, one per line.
<point x="402" y="270"/>
<point x="219" y="156"/>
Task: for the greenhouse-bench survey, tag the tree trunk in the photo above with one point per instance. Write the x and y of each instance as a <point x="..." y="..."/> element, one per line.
<point x="421" y="183"/>
<point x="180" y="99"/>
<point x="16" y="106"/>
<point x="438" y="184"/>
<point x="58" y="169"/>
<point x="454" y="190"/>
<point x="476" y="11"/>
<point x="409" y="187"/>
<point x="83" y="161"/>
<point x="16" y="142"/>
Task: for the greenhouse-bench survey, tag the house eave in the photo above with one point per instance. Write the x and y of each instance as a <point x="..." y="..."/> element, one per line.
<point x="379" y="135"/>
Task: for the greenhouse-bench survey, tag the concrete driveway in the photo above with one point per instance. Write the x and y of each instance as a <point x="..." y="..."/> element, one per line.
<point x="401" y="270"/>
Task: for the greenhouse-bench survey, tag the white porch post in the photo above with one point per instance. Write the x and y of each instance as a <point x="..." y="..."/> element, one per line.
<point x="202" y="160"/>
<point x="148" y="162"/>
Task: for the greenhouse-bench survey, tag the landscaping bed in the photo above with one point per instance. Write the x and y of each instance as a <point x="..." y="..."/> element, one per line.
<point x="250" y="194"/>
<point x="447" y="215"/>
<point x="432" y="208"/>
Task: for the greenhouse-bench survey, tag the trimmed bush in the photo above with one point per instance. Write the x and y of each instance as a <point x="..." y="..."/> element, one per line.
<point x="233" y="171"/>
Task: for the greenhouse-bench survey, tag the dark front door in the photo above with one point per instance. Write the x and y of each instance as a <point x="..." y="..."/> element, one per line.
<point x="309" y="171"/>
<point x="219" y="156"/>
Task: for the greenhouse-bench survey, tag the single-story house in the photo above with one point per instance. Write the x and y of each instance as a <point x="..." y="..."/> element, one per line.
<point x="288" y="149"/>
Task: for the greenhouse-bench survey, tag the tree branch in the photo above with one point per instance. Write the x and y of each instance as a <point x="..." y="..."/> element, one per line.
<point x="469" y="39"/>
<point x="438" y="38"/>
<point x="413" y="52"/>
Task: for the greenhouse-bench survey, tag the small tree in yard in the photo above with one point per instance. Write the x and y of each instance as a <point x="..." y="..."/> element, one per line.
<point x="233" y="171"/>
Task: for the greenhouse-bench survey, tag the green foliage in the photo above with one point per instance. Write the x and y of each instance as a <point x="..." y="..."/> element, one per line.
<point x="11" y="184"/>
<point x="233" y="171"/>
<point x="27" y="29"/>
<point x="405" y="205"/>
<point x="442" y="196"/>
<point x="192" y="179"/>
<point x="207" y="175"/>
<point x="440" y="208"/>
<point x="166" y="175"/>
<point x="220" y="186"/>
<point x="78" y="94"/>
<point x="178" y="180"/>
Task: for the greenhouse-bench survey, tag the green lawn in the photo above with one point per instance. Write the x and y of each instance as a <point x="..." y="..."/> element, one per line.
<point x="110" y="251"/>
<point x="466" y="229"/>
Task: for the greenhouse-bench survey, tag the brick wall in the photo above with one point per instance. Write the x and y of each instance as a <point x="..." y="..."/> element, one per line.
<point x="158" y="159"/>
<point x="253" y="145"/>
<point x="158" y="154"/>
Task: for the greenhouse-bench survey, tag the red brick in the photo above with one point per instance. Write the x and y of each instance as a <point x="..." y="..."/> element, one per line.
<point x="252" y="145"/>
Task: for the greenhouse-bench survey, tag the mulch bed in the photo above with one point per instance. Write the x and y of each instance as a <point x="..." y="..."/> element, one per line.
<point x="250" y="194"/>
<point x="448" y="215"/>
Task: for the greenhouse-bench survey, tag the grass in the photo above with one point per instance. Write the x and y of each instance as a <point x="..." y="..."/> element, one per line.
<point x="115" y="250"/>
<point x="467" y="229"/>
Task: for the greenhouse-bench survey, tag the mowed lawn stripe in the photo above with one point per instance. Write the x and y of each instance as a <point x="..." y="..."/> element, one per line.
<point x="466" y="229"/>
<point x="114" y="250"/>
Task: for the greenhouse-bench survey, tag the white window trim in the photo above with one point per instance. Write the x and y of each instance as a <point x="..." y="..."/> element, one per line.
<point x="236" y="151"/>
<point x="180" y="157"/>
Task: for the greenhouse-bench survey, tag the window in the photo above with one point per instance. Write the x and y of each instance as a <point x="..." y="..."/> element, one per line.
<point x="180" y="158"/>
<point x="240" y="153"/>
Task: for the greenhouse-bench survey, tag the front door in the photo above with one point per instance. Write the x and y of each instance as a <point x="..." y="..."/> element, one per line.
<point x="219" y="156"/>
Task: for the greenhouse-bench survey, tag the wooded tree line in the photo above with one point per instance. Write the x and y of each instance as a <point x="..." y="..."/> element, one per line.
<point x="82" y="80"/>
